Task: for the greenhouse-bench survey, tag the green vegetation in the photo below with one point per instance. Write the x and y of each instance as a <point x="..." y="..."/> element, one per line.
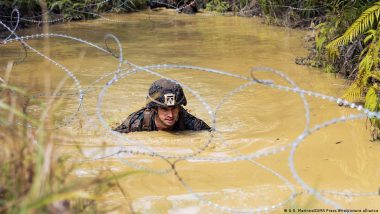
<point x="367" y="24"/>
<point x="346" y="41"/>
<point x="352" y="43"/>
<point x="292" y="13"/>
<point x="346" y="38"/>
<point x="34" y="176"/>
<point x="66" y="9"/>
<point x="218" y="6"/>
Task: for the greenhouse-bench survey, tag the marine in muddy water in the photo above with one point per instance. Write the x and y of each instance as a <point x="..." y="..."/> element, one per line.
<point x="163" y="111"/>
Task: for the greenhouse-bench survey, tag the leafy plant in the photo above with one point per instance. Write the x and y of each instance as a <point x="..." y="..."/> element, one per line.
<point x="365" y="84"/>
<point x="72" y="10"/>
<point x="34" y="178"/>
<point x="219" y="6"/>
<point x="372" y="103"/>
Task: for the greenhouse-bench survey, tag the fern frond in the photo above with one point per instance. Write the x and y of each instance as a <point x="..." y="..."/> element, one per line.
<point x="321" y="26"/>
<point x="366" y="77"/>
<point x="375" y="75"/>
<point x="354" y="93"/>
<point x="364" y="51"/>
<point x="319" y="41"/>
<point x="372" y="103"/>
<point x="334" y="53"/>
<point x="376" y="48"/>
<point x="362" y="24"/>
<point x="371" y="99"/>
<point x="370" y="35"/>
<point x="365" y="66"/>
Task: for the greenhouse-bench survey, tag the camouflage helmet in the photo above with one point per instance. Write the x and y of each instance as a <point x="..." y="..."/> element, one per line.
<point x="165" y="93"/>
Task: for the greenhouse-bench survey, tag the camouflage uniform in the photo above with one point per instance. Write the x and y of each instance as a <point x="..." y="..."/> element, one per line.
<point x="143" y="120"/>
<point x="162" y="93"/>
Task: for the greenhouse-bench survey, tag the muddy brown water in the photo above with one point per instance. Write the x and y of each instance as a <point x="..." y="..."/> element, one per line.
<point x="339" y="158"/>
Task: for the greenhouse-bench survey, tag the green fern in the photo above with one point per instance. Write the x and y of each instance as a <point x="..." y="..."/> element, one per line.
<point x="372" y="103"/>
<point x="369" y="56"/>
<point x="329" y="68"/>
<point x="368" y="76"/>
<point x="363" y="23"/>
<point x="367" y="69"/>
<point x="354" y="93"/>
<point x="218" y="6"/>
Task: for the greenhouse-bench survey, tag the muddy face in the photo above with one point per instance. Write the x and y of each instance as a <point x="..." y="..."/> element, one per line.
<point x="166" y="117"/>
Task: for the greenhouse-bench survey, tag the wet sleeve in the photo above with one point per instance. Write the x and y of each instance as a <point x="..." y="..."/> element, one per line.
<point x="195" y="124"/>
<point x="133" y="123"/>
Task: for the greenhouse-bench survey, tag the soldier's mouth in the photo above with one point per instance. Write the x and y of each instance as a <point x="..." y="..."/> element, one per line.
<point x="169" y="121"/>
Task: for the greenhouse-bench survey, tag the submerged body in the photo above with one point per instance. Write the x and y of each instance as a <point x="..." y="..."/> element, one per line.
<point x="163" y="111"/>
<point x="146" y="120"/>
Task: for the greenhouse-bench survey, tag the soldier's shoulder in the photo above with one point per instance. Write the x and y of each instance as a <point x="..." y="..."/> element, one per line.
<point x="191" y="122"/>
<point x="132" y="123"/>
<point x="136" y="119"/>
<point x="137" y="115"/>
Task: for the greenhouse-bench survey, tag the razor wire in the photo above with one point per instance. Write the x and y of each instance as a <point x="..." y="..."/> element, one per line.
<point x="37" y="18"/>
<point x="123" y="73"/>
<point x="287" y="183"/>
<point x="267" y="153"/>
<point x="303" y="135"/>
<point x="67" y="71"/>
<point x="299" y="139"/>
<point x="80" y="92"/>
<point x="63" y="18"/>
